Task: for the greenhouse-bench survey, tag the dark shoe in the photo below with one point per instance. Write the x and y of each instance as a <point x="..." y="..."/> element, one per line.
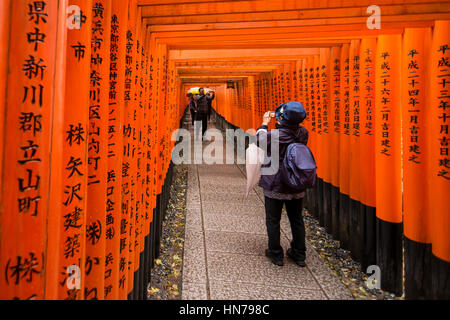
<point x="275" y="261"/>
<point x="299" y="262"/>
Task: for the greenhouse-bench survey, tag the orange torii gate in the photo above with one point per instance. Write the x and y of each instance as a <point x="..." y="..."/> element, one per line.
<point x="363" y="216"/>
<point x="89" y="111"/>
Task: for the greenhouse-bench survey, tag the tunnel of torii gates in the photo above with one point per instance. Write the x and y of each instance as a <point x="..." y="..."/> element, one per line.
<point x="92" y="90"/>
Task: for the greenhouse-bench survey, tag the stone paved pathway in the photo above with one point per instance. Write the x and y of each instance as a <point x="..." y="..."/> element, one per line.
<point x="225" y="242"/>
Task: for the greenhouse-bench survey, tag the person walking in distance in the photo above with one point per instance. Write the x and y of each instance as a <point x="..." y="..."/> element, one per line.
<point x="204" y="108"/>
<point x="276" y="193"/>
<point x="210" y="94"/>
<point x="192" y="107"/>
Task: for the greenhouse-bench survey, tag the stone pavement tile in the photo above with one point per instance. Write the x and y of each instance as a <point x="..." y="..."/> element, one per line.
<point x="194" y="219"/>
<point x="194" y="265"/>
<point x="242" y="168"/>
<point x="226" y="189"/>
<point x="239" y="198"/>
<point x="228" y="290"/>
<point x="192" y="173"/>
<point x="193" y="185"/>
<point x="222" y="168"/>
<point x="227" y="153"/>
<point x="193" y="291"/>
<point x="192" y="201"/>
<point x="328" y="281"/>
<point x="192" y="197"/>
<point x="247" y="224"/>
<point x="257" y="270"/>
<point x="223" y="180"/>
<point x="232" y="172"/>
<point x="232" y="209"/>
<point x="192" y="177"/>
<point x="194" y="268"/>
<point x="251" y="201"/>
<point x="193" y="241"/>
<point x="192" y="194"/>
<point x="237" y="242"/>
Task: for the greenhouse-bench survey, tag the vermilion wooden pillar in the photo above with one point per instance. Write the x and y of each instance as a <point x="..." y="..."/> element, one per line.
<point x="439" y="159"/>
<point x="355" y="155"/>
<point x="27" y="108"/>
<point x="315" y="134"/>
<point x="97" y="231"/>
<point x="296" y="81"/>
<point x="316" y="119"/>
<point x="308" y="101"/>
<point x="416" y="214"/>
<point x="5" y="25"/>
<point x="138" y="119"/>
<point x="344" y="143"/>
<point x="300" y="93"/>
<point x="152" y="131"/>
<point x="152" y="124"/>
<point x="306" y="95"/>
<point x="286" y="81"/>
<point x="291" y="84"/>
<point x="130" y="136"/>
<point x="266" y="93"/>
<point x="273" y="89"/>
<point x="158" y="135"/>
<point x="325" y="135"/>
<point x="258" y="102"/>
<point x="254" y="116"/>
<point x="388" y="162"/>
<point x="367" y="150"/>
<point x="126" y="284"/>
<point x="166" y="107"/>
<point x="75" y="153"/>
<point x="115" y="263"/>
<point x="334" y="128"/>
<point x="161" y="117"/>
<point x="57" y="143"/>
<point x="269" y="92"/>
<point x="145" y="160"/>
<point x="146" y="163"/>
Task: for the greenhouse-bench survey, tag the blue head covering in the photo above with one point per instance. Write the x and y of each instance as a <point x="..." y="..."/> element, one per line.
<point x="290" y="114"/>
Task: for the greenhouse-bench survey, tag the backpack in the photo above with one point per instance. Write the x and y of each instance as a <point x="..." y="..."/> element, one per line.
<point x="298" y="170"/>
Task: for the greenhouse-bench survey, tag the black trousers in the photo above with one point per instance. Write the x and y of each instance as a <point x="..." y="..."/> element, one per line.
<point x="203" y="117"/>
<point x="193" y="116"/>
<point x="294" y="209"/>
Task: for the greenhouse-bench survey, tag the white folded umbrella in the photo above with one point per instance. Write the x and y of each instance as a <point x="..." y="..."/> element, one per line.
<point x="253" y="162"/>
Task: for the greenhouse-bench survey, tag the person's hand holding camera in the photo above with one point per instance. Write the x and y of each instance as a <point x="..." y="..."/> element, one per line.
<point x="266" y="118"/>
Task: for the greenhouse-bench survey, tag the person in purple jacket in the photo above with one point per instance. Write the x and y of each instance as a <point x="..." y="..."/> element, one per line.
<point x="289" y="116"/>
